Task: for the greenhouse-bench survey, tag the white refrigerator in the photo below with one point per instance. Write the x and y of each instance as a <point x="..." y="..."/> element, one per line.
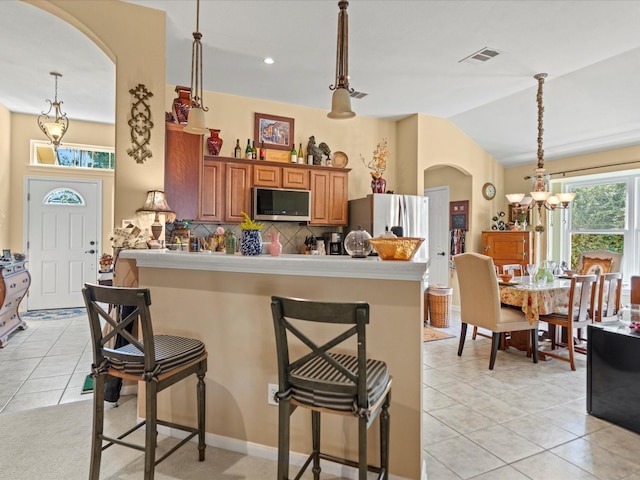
<point x="379" y="211"/>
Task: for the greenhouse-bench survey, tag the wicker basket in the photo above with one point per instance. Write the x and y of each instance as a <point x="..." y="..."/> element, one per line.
<point x="440" y="306"/>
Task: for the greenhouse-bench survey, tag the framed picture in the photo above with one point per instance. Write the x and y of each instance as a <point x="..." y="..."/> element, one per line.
<point x="459" y="215"/>
<point x="276" y="132"/>
<point x="6" y="254"/>
<point x="519" y="214"/>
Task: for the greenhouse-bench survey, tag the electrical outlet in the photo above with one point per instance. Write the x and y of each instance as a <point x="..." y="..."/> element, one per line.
<point x="272" y="389"/>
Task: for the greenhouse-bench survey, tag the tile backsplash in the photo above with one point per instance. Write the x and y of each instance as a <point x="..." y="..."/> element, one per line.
<point x="292" y="235"/>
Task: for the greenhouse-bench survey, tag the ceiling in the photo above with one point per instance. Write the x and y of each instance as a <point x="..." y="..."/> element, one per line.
<point x="405" y="54"/>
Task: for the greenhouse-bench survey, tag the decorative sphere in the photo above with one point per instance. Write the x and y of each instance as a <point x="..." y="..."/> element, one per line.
<point x="356" y="243"/>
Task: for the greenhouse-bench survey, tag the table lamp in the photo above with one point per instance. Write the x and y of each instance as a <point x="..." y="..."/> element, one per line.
<point x="157" y="203"/>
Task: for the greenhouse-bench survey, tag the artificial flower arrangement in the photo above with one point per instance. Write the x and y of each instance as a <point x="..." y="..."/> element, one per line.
<point x="379" y="162"/>
<point x="248" y="224"/>
<point x="217" y="240"/>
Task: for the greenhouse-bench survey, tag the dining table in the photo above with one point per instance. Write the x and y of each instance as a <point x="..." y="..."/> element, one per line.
<point x="535" y="299"/>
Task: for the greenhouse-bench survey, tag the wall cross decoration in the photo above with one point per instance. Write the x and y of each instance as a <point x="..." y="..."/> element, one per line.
<point x="140" y="123"/>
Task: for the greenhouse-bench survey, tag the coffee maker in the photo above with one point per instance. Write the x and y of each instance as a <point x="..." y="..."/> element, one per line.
<point x="333" y="243"/>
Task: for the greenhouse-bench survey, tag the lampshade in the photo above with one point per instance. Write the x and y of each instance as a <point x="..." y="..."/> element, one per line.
<point x="515" y="198"/>
<point x="195" y="122"/>
<point x="156" y="202"/>
<point x="341" y="105"/>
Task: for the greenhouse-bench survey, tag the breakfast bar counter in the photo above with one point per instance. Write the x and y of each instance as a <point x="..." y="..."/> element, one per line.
<point x="225" y="301"/>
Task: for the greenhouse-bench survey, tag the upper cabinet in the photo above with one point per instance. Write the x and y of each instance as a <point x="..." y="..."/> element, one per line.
<point x="213" y="189"/>
<point x="183" y="159"/>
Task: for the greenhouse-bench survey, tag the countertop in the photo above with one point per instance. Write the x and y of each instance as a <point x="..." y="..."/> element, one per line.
<point x="304" y="265"/>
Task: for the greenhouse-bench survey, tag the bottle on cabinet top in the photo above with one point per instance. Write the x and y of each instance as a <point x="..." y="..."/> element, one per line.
<point x="237" y="152"/>
<point x="248" y="153"/>
<point x="300" y="154"/>
<point x="254" y="150"/>
<point x="294" y="155"/>
<point x="263" y="152"/>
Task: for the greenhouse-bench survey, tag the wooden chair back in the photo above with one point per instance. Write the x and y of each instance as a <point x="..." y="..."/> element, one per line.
<point x="609" y="290"/>
<point x="635" y="289"/>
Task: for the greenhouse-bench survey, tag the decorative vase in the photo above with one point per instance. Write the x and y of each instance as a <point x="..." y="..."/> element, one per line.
<point x="275" y="247"/>
<point x="182" y="104"/>
<point x="214" y="142"/>
<point x="251" y="242"/>
<point x="378" y="184"/>
<point x="230" y="242"/>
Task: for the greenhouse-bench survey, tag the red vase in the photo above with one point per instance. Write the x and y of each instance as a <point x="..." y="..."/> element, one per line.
<point x="214" y="142"/>
<point x="182" y="104"/>
<point x="378" y="185"/>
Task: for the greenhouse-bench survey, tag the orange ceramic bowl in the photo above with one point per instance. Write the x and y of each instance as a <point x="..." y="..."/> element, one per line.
<point x="506" y="278"/>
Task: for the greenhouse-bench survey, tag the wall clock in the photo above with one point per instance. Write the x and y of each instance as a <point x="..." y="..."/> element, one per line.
<point x="488" y="191"/>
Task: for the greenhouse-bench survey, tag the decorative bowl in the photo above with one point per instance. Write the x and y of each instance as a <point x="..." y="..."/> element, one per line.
<point x="506" y="278"/>
<point x="402" y="248"/>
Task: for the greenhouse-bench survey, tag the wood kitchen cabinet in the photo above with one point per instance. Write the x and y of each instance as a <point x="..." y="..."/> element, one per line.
<point x="215" y="189"/>
<point x="183" y="159"/>
<point x="508" y="247"/>
<point x="328" y="198"/>
<point x="280" y="177"/>
<point x="14" y="283"/>
<point x="237" y="191"/>
<point x="211" y="192"/>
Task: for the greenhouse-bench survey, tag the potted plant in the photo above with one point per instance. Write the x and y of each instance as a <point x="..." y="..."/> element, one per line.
<point x="251" y="241"/>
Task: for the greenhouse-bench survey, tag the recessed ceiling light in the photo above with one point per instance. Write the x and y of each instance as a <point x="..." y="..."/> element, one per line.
<point x="268" y="61"/>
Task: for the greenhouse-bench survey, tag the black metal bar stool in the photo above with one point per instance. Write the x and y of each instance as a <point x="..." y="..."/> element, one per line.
<point x="158" y="360"/>
<point x="326" y="381"/>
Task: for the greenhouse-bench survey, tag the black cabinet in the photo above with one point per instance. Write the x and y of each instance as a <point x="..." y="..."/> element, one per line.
<point x="613" y="375"/>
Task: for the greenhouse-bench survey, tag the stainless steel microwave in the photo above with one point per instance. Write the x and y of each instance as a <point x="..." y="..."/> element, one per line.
<point x="280" y="204"/>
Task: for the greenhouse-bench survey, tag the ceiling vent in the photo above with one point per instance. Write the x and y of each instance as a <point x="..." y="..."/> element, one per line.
<point x="356" y="94"/>
<point x="481" y="56"/>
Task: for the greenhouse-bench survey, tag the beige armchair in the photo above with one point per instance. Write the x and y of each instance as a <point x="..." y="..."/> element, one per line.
<point x="480" y="304"/>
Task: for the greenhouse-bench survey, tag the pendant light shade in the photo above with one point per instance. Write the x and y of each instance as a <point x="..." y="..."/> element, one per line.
<point x="341" y="105"/>
<point x="195" y="122"/>
<point x="341" y="101"/>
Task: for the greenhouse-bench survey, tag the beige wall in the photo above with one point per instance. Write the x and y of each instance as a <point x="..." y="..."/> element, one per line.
<point x="134" y="38"/>
<point x="23" y="129"/>
<point x="5" y="181"/>
<point x="234" y="117"/>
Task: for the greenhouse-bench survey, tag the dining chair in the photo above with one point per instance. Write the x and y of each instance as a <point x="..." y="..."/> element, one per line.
<point x="635" y="290"/>
<point x="157" y="360"/>
<point x="579" y="314"/>
<point x="599" y="261"/>
<point x="480" y="304"/>
<point x="313" y="375"/>
<point x="609" y="290"/>
<point x="514" y="269"/>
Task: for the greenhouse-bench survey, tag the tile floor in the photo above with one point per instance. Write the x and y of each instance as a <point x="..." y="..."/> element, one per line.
<point x="519" y="421"/>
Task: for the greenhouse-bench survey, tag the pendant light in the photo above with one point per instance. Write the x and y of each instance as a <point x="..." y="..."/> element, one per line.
<point x="195" y="120"/>
<point x="540" y="190"/>
<point x="341" y="100"/>
<point x="54" y="130"/>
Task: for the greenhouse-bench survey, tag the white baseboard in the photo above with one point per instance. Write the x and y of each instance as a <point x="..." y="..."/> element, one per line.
<point x="271" y="453"/>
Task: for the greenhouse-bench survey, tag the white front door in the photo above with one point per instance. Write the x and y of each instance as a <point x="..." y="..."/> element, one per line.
<point x="438" y="235"/>
<point x="63" y="230"/>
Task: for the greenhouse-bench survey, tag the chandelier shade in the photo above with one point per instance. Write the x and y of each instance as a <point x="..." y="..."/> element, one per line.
<point x="56" y="127"/>
<point x="195" y="120"/>
<point x="341" y="99"/>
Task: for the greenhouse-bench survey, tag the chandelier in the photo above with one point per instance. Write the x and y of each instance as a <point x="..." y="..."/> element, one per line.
<point x="341" y="100"/>
<point x="540" y="192"/>
<point x="54" y="129"/>
<point x="195" y="120"/>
